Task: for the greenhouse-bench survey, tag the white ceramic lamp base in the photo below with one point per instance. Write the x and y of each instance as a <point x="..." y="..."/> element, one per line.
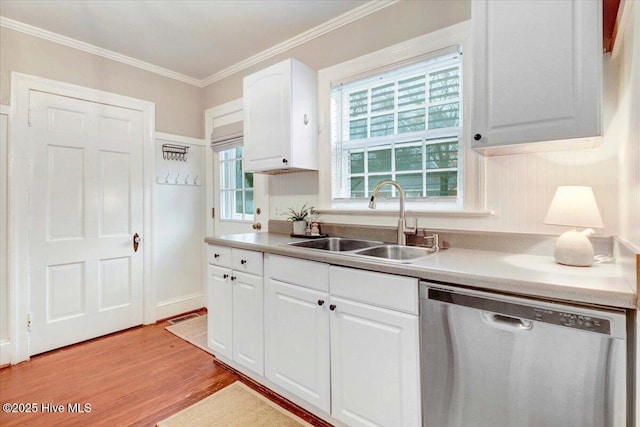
<point x="574" y="248"/>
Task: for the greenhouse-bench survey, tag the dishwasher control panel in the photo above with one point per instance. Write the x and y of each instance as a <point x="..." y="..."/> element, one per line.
<point x="571" y="320"/>
<point x="521" y="311"/>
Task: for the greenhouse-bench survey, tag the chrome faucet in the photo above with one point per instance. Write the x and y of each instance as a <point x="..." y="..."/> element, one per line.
<point x="403" y="229"/>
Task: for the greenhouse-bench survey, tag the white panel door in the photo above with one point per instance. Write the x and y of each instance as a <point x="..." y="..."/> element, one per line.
<point x="219" y="305"/>
<point x="86" y="197"/>
<point x="248" y="335"/>
<point x="297" y="341"/>
<point x="375" y="371"/>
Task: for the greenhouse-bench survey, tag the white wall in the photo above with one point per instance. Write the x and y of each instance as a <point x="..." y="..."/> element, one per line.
<point x="625" y="127"/>
<point x="4" y="282"/>
<point x="178" y="229"/>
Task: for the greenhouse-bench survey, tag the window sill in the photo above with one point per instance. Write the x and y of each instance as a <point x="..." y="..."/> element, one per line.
<point x="408" y="213"/>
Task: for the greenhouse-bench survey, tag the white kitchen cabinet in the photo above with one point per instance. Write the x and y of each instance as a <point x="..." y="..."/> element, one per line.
<point x="280" y="119"/>
<point x="375" y="364"/>
<point x="235" y="300"/>
<point x="297" y="341"/>
<point x="344" y="340"/>
<point x="219" y="320"/>
<point x="297" y="328"/>
<point x="248" y="333"/>
<point x="537" y="75"/>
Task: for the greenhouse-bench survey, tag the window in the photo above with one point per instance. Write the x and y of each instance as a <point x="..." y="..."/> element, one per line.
<point x="236" y="187"/>
<point x="404" y="124"/>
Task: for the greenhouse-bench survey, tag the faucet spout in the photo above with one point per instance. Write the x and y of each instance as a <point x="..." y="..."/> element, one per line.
<point x="403" y="229"/>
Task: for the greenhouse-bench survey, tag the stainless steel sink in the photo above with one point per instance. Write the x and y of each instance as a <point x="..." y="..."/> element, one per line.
<point x="336" y="244"/>
<point x="399" y="253"/>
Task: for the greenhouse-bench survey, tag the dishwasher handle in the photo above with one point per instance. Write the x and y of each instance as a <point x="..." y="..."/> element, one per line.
<point x="507" y="323"/>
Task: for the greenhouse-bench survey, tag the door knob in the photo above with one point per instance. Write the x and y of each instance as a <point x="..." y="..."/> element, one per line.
<point x="136" y="242"/>
<point x="256" y="226"/>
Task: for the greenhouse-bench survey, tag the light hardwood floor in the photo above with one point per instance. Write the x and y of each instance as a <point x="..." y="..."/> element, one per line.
<point x="132" y="378"/>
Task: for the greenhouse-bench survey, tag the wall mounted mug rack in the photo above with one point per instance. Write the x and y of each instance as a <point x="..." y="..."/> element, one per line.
<point x="175" y="152"/>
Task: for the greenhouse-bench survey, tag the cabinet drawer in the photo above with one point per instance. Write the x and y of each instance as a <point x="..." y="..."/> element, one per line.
<point x="384" y="290"/>
<point x="247" y="261"/>
<point x="309" y="274"/>
<point x="219" y="255"/>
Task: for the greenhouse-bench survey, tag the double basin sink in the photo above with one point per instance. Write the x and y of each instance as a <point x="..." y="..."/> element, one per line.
<point x="367" y="248"/>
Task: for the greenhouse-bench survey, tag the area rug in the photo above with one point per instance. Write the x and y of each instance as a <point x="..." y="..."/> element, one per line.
<point x="193" y="331"/>
<point x="234" y="405"/>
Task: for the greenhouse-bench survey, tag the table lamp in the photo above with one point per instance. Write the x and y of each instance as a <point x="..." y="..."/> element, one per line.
<point x="574" y="206"/>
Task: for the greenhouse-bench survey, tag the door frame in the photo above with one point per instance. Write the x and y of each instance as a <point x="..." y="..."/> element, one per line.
<point x="20" y="164"/>
<point x="221" y="115"/>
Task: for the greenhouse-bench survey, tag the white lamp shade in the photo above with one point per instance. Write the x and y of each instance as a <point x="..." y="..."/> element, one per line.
<point x="574" y="206"/>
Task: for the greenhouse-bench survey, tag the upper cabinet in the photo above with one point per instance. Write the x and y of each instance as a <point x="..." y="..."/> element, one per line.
<point x="280" y="119"/>
<point x="537" y="75"/>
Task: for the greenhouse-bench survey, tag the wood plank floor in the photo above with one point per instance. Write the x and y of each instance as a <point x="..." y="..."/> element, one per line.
<point x="132" y="378"/>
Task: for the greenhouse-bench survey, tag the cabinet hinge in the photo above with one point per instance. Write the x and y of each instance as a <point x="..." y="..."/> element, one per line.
<point x="29" y="117"/>
<point x="29" y="322"/>
<point x="213" y="212"/>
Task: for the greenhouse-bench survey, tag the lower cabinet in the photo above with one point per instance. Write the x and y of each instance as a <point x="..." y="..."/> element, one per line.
<point x="352" y="354"/>
<point x="297" y="341"/>
<point x="235" y="301"/>
<point x="219" y="310"/>
<point x="374" y="365"/>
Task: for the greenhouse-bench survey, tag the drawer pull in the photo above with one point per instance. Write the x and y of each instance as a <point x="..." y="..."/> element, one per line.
<point x="233" y="278"/>
<point x="225" y="276"/>
<point x="320" y="302"/>
<point x="332" y="307"/>
<point x="216" y="256"/>
<point x="243" y="261"/>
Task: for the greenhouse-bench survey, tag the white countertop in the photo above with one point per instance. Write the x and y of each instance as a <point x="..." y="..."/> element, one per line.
<point x="530" y="275"/>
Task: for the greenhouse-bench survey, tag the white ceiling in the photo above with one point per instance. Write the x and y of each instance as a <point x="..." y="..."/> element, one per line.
<point x="198" y="40"/>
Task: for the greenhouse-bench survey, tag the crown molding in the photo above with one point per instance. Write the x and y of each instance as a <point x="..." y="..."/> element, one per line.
<point x="333" y="24"/>
<point x="95" y="50"/>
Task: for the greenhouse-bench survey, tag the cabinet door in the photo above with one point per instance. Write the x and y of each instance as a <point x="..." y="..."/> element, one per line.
<point x="248" y="333"/>
<point x="375" y="372"/>
<point x="219" y="307"/>
<point x="537" y="72"/>
<point x="297" y="341"/>
<point x="267" y="109"/>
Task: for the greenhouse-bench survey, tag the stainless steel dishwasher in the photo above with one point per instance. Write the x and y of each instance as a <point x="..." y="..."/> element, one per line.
<point x="491" y="360"/>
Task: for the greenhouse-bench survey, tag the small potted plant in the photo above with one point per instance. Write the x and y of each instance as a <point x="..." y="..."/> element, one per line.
<point x="298" y="217"/>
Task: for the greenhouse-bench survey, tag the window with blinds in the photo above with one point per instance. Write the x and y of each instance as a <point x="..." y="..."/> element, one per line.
<point x="404" y="124"/>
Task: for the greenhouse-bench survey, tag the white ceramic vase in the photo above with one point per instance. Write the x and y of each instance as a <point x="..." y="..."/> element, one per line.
<point x="299" y="227"/>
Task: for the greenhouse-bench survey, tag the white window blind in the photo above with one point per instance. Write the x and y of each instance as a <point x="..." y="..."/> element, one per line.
<point x="403" y="124"/>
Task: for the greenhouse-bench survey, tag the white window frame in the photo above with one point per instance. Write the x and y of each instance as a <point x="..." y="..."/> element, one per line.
<point x="243" y="217"/>
<point x="374" y="63"/>
<point x="342" y="145"/>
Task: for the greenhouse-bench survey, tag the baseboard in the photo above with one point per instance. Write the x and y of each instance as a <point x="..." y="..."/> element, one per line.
<point x="166" y="309"/>
<point x="5" y="353"/>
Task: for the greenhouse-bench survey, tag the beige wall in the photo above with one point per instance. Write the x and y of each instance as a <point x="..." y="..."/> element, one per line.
<point x="178" y="105"/>
<point x="401" y="21"/>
